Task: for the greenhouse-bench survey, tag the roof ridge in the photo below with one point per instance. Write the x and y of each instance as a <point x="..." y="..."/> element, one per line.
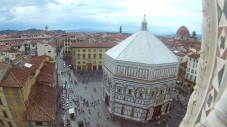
<point x="41" y="107"/>
<point x="149" y="45"/>
<point x="15" y="78"/>
<point x="127" y="45"/>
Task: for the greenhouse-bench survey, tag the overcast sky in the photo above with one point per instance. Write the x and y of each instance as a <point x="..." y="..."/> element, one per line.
<point x="163" y="16"/>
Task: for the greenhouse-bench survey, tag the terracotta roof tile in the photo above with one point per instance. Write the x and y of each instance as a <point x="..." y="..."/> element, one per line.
<point x="195" y="56"/>
<point x="46" y="73"/>
<point x="17" y="43"/>
<point x="2" y="65"/>
<point x="36" y="61"/>
<point x="17" y="77"/>
<point x="42" y="103"/>
<point x="183" y="31"/>
<point x="94" y="45"/>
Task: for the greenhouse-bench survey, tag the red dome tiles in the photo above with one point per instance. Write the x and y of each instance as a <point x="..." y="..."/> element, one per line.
<point x="183" y="31"/>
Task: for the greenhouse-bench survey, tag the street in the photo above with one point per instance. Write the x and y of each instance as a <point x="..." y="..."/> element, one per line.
<point x="82" y="91"/>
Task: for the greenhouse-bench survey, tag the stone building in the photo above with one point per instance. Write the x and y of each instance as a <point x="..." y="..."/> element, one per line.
<point x="182" y="33"/>
<point x="181" y="74"/>
<point x="191" y="69"/>
<point x="89" y="56"/>
<point x="139" y="77"/>
<point x="207" y="106"/>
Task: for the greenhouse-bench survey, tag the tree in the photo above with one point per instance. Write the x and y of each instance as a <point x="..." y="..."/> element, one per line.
<point x="194" y="34"/>
<point x="120" y="30"/>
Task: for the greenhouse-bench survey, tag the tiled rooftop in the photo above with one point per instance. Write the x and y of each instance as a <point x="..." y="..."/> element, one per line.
<point x="17" y="77"/>
<point x="42" y="103"/>
<point x="195" y="56"/>
<point x="94" y="45"/>
<point x="46" y="73"/>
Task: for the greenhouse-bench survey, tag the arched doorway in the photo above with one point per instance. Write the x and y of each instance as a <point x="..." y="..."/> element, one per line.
<point x="157" y="111"/>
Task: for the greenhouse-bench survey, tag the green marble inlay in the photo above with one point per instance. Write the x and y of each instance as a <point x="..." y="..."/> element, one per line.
<point x="219" y="13"/>
<point x="199" y="117"/>
<point x="220" y="75"/>
<point x="225" y="9"/>
<point x="210" y="98"/>
<point x="222" y="42"/>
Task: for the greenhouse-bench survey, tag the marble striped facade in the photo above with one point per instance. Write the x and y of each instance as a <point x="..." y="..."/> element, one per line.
<point x="208" y="103"/>
<point x="135" y="90"/>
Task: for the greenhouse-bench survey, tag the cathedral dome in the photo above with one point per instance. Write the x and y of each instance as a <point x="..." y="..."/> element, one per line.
<point x="183" y="31"/>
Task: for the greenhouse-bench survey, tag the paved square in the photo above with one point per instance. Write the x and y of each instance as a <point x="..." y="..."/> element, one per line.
<point x="82" y="91"/>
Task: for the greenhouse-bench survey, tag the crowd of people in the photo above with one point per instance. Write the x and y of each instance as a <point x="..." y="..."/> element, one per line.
<point x="85" y="108"/>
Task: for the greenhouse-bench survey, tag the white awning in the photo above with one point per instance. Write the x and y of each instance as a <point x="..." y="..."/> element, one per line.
<point x="175" y="51"/>
<point x="27" y="65"/>
<point x="71" y="111"/>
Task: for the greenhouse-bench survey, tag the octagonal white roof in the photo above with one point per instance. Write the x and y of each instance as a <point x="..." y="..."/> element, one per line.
<point x="142" y="47"/>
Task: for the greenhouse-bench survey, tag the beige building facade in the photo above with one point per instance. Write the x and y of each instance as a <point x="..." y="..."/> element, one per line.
<point x="89" y="56"/>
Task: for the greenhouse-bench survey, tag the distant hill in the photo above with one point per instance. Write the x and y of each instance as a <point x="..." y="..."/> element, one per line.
<point x="33" y="30"/>
<point x="85" y="30"/>
<point x="199" y="37"/>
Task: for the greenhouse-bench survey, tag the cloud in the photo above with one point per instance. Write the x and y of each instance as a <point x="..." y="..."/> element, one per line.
<point x="102" y="14"/>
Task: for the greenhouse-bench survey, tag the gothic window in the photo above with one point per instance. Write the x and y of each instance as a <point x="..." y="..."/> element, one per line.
<point x="129" y="92"/>
<point x="119" y="90"/>
<point x="141" y="94"/>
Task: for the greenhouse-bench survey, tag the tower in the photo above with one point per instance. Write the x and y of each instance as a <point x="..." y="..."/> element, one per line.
<point x="46" y="29"/>
<point x="144" y="23"/>
<point x="120" y="31"/>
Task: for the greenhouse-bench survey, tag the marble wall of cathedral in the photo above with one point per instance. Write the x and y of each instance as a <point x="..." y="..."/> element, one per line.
<point x="143" y="72"/>
<point x="136" y="98"/>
